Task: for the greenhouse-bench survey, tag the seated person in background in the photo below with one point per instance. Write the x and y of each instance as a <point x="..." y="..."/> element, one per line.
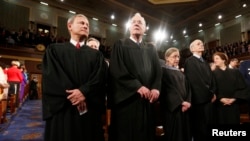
<point x="233" y="63"/>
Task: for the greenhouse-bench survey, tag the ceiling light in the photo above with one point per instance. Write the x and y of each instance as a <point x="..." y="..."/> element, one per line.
<point x="219" y="17"/>
<point x="200" y="24"/>
<point x="159" y="35"/>
<point x="114" y="24"/>
<point x="217" y="24"/>
<point x="95" y="19"/>
<point x="112" y="16"/>
<point x="200" y="30"/>
<point x="244" y="5"/>
<point x="237" y="16"/>
<point x="127" y="25"/>
<point x="44" y="3"/>
<point x="184" y="31"/>
<point x="186" y="36"/>
<point x="73" y="12"/>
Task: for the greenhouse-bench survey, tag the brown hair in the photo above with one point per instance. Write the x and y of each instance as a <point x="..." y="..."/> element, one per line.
<point x="222" y="55"/>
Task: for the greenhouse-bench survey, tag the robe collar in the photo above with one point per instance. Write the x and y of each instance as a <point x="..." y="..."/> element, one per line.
<point x="135" y="40"/>
<point x="170" y="67"/>
<point x="75" y="42"/>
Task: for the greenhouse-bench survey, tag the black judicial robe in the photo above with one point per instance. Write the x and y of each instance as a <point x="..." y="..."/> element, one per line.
<point x="174" y="91"/>
<point x="65" y="67"/>
<point x="203" y="86"/>
<point x="201" y="79"/>
<point x="230" y="84"/>
<point x="132" y="66"/>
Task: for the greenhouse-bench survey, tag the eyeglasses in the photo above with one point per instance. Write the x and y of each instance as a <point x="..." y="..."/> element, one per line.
<point x="175" y="56"/>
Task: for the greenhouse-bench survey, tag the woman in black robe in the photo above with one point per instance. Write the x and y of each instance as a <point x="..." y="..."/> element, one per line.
<point x="175" y="99"/>
<point x="231" y="88"/>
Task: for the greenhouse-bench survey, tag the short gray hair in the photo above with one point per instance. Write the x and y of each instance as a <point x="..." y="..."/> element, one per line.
<point x="71" y="19"/>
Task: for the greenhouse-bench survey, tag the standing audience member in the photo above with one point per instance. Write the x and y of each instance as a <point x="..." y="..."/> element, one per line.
<point x="33" y="93"/>
<point x="135" y="76"/>
<point x="245" y="71"/>
<point x="23" y="83"/>
<point x="175" y="99"/>
<point x="93" y="43"/>
<point x="15" y="78"/>
<point x="231" y="87"/>
<point x="73" y="87"/>
<point x="233" y="63"/>
<point x="199" y="74"/>
<point x="3" y="84"/>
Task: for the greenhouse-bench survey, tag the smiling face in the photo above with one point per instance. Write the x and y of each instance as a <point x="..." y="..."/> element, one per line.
<point x="138" y="26"/>
<point x="218" y="61"/>
<point x="78" y="26"/>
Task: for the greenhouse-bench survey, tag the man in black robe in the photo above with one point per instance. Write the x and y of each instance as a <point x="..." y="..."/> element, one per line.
<point x="73" y="87"/>
<point x="203" y="87"/>
<point x="245" y="71"/>
<point x="135" y="76"/>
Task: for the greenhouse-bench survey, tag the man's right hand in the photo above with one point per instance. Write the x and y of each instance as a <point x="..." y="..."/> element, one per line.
<point x="144" y="92"/>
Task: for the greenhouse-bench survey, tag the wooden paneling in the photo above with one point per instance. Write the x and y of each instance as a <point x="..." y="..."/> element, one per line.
<point x="33" y="66"/>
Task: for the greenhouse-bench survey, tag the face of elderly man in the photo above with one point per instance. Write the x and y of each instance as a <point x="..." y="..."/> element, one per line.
<point x="78" y="26"/>
<point x="197" y="46"/>
<point x="138" y="25"/>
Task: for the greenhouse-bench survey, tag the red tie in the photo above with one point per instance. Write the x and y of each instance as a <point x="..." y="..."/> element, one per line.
<point x="78" y="45"/>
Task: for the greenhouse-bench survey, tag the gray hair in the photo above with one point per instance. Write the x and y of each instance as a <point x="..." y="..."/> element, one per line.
<point x="71" y="19"/>
<point x="139" y="15"/>
<point x="171" y="50"/>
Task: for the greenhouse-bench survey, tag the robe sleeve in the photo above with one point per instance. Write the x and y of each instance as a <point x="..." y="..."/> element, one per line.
<point x="54" y="83"/>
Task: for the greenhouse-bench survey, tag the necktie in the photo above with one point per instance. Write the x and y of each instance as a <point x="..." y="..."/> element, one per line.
<point x="78" y="45"/>
<point x="202" y="60"/>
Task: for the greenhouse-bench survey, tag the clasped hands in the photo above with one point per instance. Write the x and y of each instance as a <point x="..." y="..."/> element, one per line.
<point x="185" y="106"/>
<point x="151" y="95"/>
<point x="227" y="101"/>
<point x="77" y="98"/>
